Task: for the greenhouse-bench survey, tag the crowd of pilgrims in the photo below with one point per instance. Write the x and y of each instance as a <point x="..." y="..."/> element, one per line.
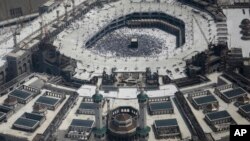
<point x="117" y="43"/>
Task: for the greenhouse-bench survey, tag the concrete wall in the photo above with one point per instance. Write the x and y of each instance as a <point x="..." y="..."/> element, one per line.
<point x="25" y="6"/>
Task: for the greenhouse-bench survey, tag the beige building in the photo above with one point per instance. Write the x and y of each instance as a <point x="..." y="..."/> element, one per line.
<point x="15" y="8"/>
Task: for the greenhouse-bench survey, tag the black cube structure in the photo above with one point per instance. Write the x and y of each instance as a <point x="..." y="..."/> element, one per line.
<point x="134" y="43"/>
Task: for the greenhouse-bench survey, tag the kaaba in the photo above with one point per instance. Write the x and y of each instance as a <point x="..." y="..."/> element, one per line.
<point x="133" y="43"/>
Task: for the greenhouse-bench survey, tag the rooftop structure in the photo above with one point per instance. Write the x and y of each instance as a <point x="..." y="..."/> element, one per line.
<point x="6" y="112"/>
<point x="50" y="102"/>
<point x="229" y="93"/>
<point x="244" y="110"/>
<point x="82" y="123"/>
<point x="29" y="122"/>
<point x="28" y="118"/>
<point x="219" y="121"/>
<point x="161" y="108"/>
<point x="11" y="102"/>
<point x="86" y="108"/>
<point x="217" y="115"/>
<point x="22" y="96"/>
<point x="234" y="92"/>
<point x="166" y="123"/>
<point x="80" y="129"/>
<point x="205" y="101"/>
<point x="26" y="124"/>
<point x="40" y="109"/>
<point x="166" y="128"/>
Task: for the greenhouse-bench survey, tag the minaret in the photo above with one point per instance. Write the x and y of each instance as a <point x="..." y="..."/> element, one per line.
<point x="15" y="33"/>
<point x="143" y="129"/>
<point x="57" y="16"/>
<point x="66" y="11"/>
<point x="41" y="28"/>
<point x="99" y="130"/>
<point x="73" y="8"/>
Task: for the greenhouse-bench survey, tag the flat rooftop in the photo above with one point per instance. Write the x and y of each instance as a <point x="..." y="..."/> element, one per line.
<point x="4" y="109"/>
<point x="28" y="121"/>
<point x="154" y="106"/>
<point x="47" y="100"/>
<point x="82" y="123"/>
<point x="234" y="92"/>
<point x="204" y="99"/>
<point x="20" y="94"/>
<point x="230" y="107"/>
<point x="35" y="82"/>
<point x="28" y="108"/>
<point x="33" y="116"/>
<point x="166" y="122"/>
<point x="217" y="115"/>
<point x="25" y="122"/>
<point x="87" y="105"/>
<point x="245" y="108"/>
<point x="73" y="115"/>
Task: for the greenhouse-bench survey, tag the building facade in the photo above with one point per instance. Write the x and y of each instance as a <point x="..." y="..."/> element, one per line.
<point x="16" y="8"/>
<point x="18" y="63"/>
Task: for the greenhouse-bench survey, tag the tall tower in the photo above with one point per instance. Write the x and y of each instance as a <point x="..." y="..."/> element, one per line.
<point x="15" y="33"/>
<point x="41" y="28"/>
<point x="66" y="10"/>
<point x="57" y="16"/>
<point x="143" y="129"/>
<point x="73" y="2"/>
<point x="99" y="130"/>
